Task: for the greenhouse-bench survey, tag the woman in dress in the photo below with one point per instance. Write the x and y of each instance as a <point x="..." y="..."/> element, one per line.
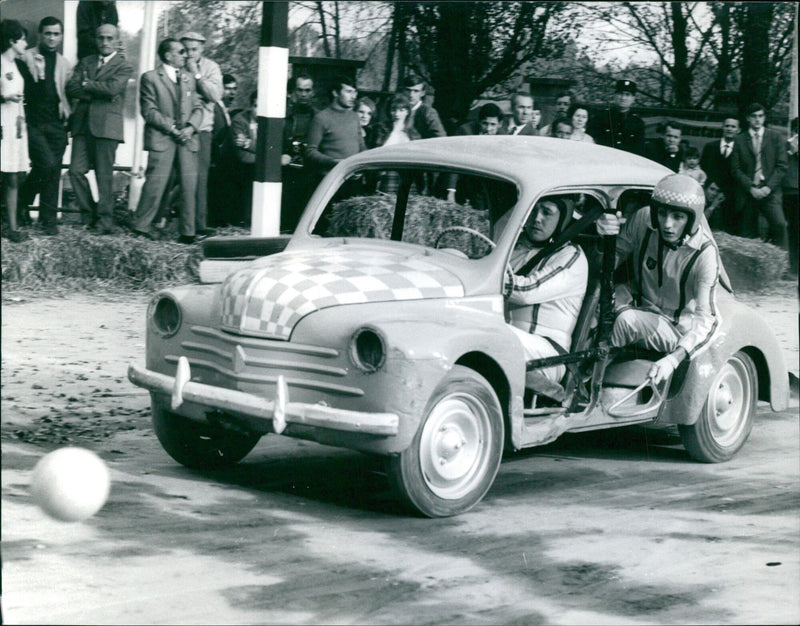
<point x="579" y="115"/>
<point x="14" y="138"/>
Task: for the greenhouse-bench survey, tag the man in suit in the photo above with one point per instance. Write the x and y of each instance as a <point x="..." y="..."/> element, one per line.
<point x="172" y="113"/>
<point x="758" y="164"/>
<point x="617" y="127"/>
<point x="46" y="113"/>
<point x="521" y="120"/>
<point x="222" y="118"/>
<point x="98" y="88"/>
<point x="424" y="119"/>
<point x="208" y="83"/>
<point x="667" y="150"/>
<point x="716" y="163"/>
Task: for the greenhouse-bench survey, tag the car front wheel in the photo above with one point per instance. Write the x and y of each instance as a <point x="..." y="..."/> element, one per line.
<point x="727" y="416"/>
<point x="197" y="445"/>
<point x="456" y="452"/>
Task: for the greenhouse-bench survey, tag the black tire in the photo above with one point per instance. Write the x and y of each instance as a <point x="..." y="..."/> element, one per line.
<point x="727" y="416"/>
<point x="454" y="456"/>
<point x="197" y="445"/>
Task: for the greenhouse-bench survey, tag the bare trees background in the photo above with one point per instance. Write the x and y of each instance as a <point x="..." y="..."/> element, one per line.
<point x="680" y="53"/>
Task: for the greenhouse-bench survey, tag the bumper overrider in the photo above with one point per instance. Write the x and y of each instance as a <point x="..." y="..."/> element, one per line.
<point x="280" y="411"/>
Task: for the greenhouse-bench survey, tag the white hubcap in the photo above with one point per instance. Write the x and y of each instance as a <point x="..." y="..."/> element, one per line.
<point x="729" y="403"/>
<point x="454" y="445"/>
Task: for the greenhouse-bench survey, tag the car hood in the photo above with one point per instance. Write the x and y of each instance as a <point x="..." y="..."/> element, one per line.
<point x="271" y="295"/>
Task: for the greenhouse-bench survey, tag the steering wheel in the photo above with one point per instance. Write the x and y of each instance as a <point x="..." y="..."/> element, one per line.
<point x="464" y="229"/>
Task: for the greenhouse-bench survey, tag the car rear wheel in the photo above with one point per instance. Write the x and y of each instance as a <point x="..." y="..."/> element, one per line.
<point x="727" y="416"/>
<point x="197" y="445"/>
<point x="456" y="452"/>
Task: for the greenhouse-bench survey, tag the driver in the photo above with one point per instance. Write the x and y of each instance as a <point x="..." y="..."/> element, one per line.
<point x="544" y="304"/>
<point x="669" y="305"/>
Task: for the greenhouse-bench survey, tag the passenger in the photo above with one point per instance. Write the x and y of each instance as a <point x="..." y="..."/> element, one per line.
<point x="545" y="303"/>
<point x="670" y="304"/>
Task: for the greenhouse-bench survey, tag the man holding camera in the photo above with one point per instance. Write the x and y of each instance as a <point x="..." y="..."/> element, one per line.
<point x="297" y="185"/>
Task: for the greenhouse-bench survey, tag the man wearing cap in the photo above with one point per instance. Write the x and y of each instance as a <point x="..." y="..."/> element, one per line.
<point x="669" y="305"/>
<point x="617" y="127"/>
<point x="544" y="303"/>
<point x="208" y="83"/>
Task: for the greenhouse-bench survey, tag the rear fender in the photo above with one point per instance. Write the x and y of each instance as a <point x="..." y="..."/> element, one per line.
<point x="741" y="330"/>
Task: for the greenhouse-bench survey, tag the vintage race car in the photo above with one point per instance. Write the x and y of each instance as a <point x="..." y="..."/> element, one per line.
<point x="381" y="326"/>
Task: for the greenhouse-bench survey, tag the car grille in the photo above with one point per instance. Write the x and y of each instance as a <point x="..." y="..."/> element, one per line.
<point x="239" y="362"/>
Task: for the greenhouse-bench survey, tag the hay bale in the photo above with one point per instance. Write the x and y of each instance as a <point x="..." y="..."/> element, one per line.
<point x="426" y="217"/>
<point x="751" y="264"/>
<point x="79" y="259"/>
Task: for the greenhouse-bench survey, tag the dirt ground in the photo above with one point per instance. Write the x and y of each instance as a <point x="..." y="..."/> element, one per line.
<point x="614" y="527"/>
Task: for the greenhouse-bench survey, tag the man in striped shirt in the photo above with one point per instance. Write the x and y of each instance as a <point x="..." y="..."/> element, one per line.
<point x="544" y="303"/>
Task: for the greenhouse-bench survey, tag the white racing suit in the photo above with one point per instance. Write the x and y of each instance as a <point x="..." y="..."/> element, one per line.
<point x="670" y="302"/>
<point x="544" y="305"/>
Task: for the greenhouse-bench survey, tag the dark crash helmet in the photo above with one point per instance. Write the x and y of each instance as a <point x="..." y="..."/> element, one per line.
<point x="678" y="192"/>
<point x="565" y="210"/>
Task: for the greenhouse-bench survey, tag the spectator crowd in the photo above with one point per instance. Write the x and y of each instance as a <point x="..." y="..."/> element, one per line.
<point x="202" y="152"/>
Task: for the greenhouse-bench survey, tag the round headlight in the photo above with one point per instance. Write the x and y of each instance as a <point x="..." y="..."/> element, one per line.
<point x="367" y="349"/>
<point x="165" y="315"/>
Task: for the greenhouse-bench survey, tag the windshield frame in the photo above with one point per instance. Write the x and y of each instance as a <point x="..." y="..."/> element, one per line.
<point x="324" y="195"/>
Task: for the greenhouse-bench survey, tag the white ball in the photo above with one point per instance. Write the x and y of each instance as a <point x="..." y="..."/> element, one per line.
<point x="70" y="484"/>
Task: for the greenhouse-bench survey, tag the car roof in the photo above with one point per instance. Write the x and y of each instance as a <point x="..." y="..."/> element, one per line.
<point x="542" y="161"/>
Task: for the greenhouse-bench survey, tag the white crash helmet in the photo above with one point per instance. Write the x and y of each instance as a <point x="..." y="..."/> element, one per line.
<point x="679" y="192"/>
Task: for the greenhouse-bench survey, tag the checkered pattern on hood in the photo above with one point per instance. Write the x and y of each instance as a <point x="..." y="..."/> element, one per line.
<point x="269" y="297"/>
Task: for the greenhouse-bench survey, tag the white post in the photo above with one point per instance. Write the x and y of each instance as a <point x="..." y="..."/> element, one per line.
<point x="147" y="61"/>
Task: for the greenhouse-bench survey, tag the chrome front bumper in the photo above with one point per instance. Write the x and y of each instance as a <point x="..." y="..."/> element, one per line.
<point x="279" y="411"/>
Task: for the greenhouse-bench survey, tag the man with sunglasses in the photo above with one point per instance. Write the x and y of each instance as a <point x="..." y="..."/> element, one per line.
<point x="172" y="112"/>
<point x="669" y="305"/>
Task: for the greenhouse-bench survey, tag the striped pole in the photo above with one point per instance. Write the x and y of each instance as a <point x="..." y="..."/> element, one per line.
<point x="273" y="70"/>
